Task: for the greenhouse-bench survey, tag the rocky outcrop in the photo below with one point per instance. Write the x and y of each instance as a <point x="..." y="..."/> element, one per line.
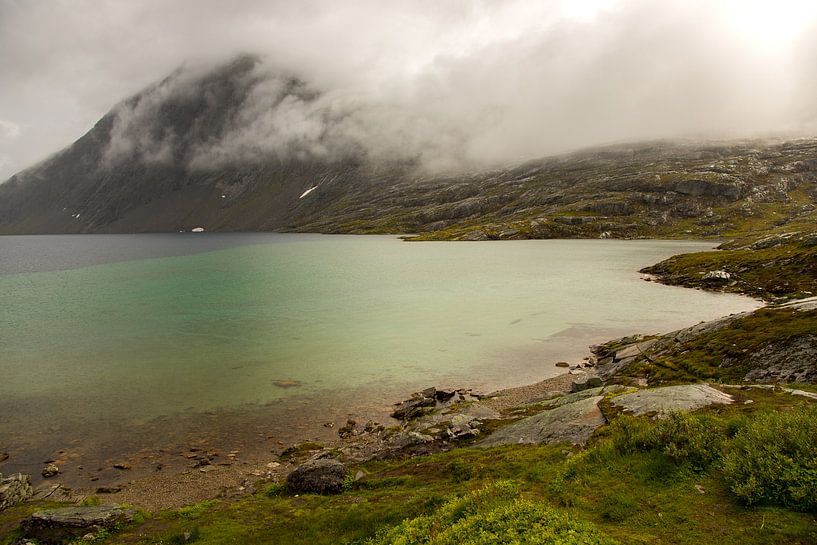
<point x="14" y="489"/>
<point x="61" y="525"/>
<point x="573" y="422"/>
<point x="422" y="403"/>
<point x="792" y="360"/>
<point x="585" y="381"/>
<point x="705" y="188"/>
<point x="323" y="476"/>
<point x="667" y="399"/>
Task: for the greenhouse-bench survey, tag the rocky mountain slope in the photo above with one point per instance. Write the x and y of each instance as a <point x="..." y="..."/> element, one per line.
<point x="183" y="154"/>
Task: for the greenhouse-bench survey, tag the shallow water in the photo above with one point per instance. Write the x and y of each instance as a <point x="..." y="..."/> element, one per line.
<point x="128" y="328"/>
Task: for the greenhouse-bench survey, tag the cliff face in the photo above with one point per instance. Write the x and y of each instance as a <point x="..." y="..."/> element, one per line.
<point x="238" y="148"/>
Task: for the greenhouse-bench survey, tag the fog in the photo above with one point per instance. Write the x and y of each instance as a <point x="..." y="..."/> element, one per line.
<point x="456" y="84"/>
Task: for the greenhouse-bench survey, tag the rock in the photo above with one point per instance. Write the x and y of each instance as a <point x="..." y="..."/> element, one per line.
<point x="809" y="240"/>
<point x="14" y="489"/>
<point x="717" y="276"/>
<point x="50" y="470"/>
<point x="323" y="476"/>
<point x="123" y="466"/>
<point x="574" y="220"/>
<point x="562" y="364"/>
<point x="59" y="525"/>
<point x="348" y="429"/>
<point x="412" y="408"/>
<point x="410" y="438"/>
<point x="475" y="236"/>
<point x="571" y="423"/>
<point x="4" y="456"/>
<point x="664" y="400"/>
<point x="792" y="360"/>
<point x="359" y="475"/>
<point x="444" y="395"/>
<point x="802" y="393"/>
<point x="700" y="188"/>
<point x="635" y="349"/>
<point x="372" y="426"/>
<point x="108" y="489"/>
<point x="773" y="240"/>
<point x="585" y="383"/>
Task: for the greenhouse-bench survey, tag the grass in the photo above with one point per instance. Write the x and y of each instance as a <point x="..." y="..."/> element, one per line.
<point x="659" y="491"/>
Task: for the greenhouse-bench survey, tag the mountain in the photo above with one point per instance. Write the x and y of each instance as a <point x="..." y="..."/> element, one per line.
<point x="239" y="148"/>
<point x="143" y="167"/>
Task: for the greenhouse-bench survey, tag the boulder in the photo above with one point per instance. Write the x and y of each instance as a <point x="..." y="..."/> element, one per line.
<point x="585" y="382"/>
<point x="324" y="476"/>
<point x="667" y="399"/>
<point x="414" y="407"/>
<point x="570" y="423"/>
<point x="717" y="276"/>
<point x="410" y="438"/>
<point x="14" y="489"/>
<point x="50" y="470"/>
<point x="444" y="395"/>
<point x="61" y="525"/>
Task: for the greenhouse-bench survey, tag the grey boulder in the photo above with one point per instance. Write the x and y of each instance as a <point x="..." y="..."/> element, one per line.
<point x="64" y="524"/>
<point x="324" y="476"/>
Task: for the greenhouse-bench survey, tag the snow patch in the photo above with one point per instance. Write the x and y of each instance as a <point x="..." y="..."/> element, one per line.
<point x="307" y="192"/>
<point x="197" y="230"/>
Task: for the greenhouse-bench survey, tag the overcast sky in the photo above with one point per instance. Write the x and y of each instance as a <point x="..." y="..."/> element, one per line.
<point x="512" y="79"/>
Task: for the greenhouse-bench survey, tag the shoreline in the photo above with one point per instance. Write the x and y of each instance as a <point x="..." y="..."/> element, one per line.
<point x="171" y="475"/>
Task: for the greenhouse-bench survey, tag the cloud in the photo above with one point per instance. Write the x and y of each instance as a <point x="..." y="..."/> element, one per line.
<point x="9" y="130"/>
<point x="460" y="84"/>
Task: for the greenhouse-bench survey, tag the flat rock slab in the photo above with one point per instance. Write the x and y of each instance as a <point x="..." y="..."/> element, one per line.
<point x="569" y="423"/>
<point x="667" y="399"/>
<point x="60" y="525"/>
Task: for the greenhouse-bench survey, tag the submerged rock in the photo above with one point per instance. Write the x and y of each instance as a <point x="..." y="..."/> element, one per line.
<point x="324" y="476"/>
<point x="60" y="525"/>
<point x="14" y="489"/>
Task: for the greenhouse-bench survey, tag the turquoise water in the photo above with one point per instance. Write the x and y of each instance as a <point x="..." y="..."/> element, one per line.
<point x="140" y="338"/>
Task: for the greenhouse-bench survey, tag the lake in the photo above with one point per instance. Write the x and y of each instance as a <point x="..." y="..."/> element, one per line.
<point x="102" y="334"/>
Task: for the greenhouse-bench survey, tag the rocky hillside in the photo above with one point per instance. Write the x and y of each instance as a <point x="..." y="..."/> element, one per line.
<point x="185" y="153"/>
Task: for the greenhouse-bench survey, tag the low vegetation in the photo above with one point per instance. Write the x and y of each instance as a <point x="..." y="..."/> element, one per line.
<point x="743" y="473"/>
